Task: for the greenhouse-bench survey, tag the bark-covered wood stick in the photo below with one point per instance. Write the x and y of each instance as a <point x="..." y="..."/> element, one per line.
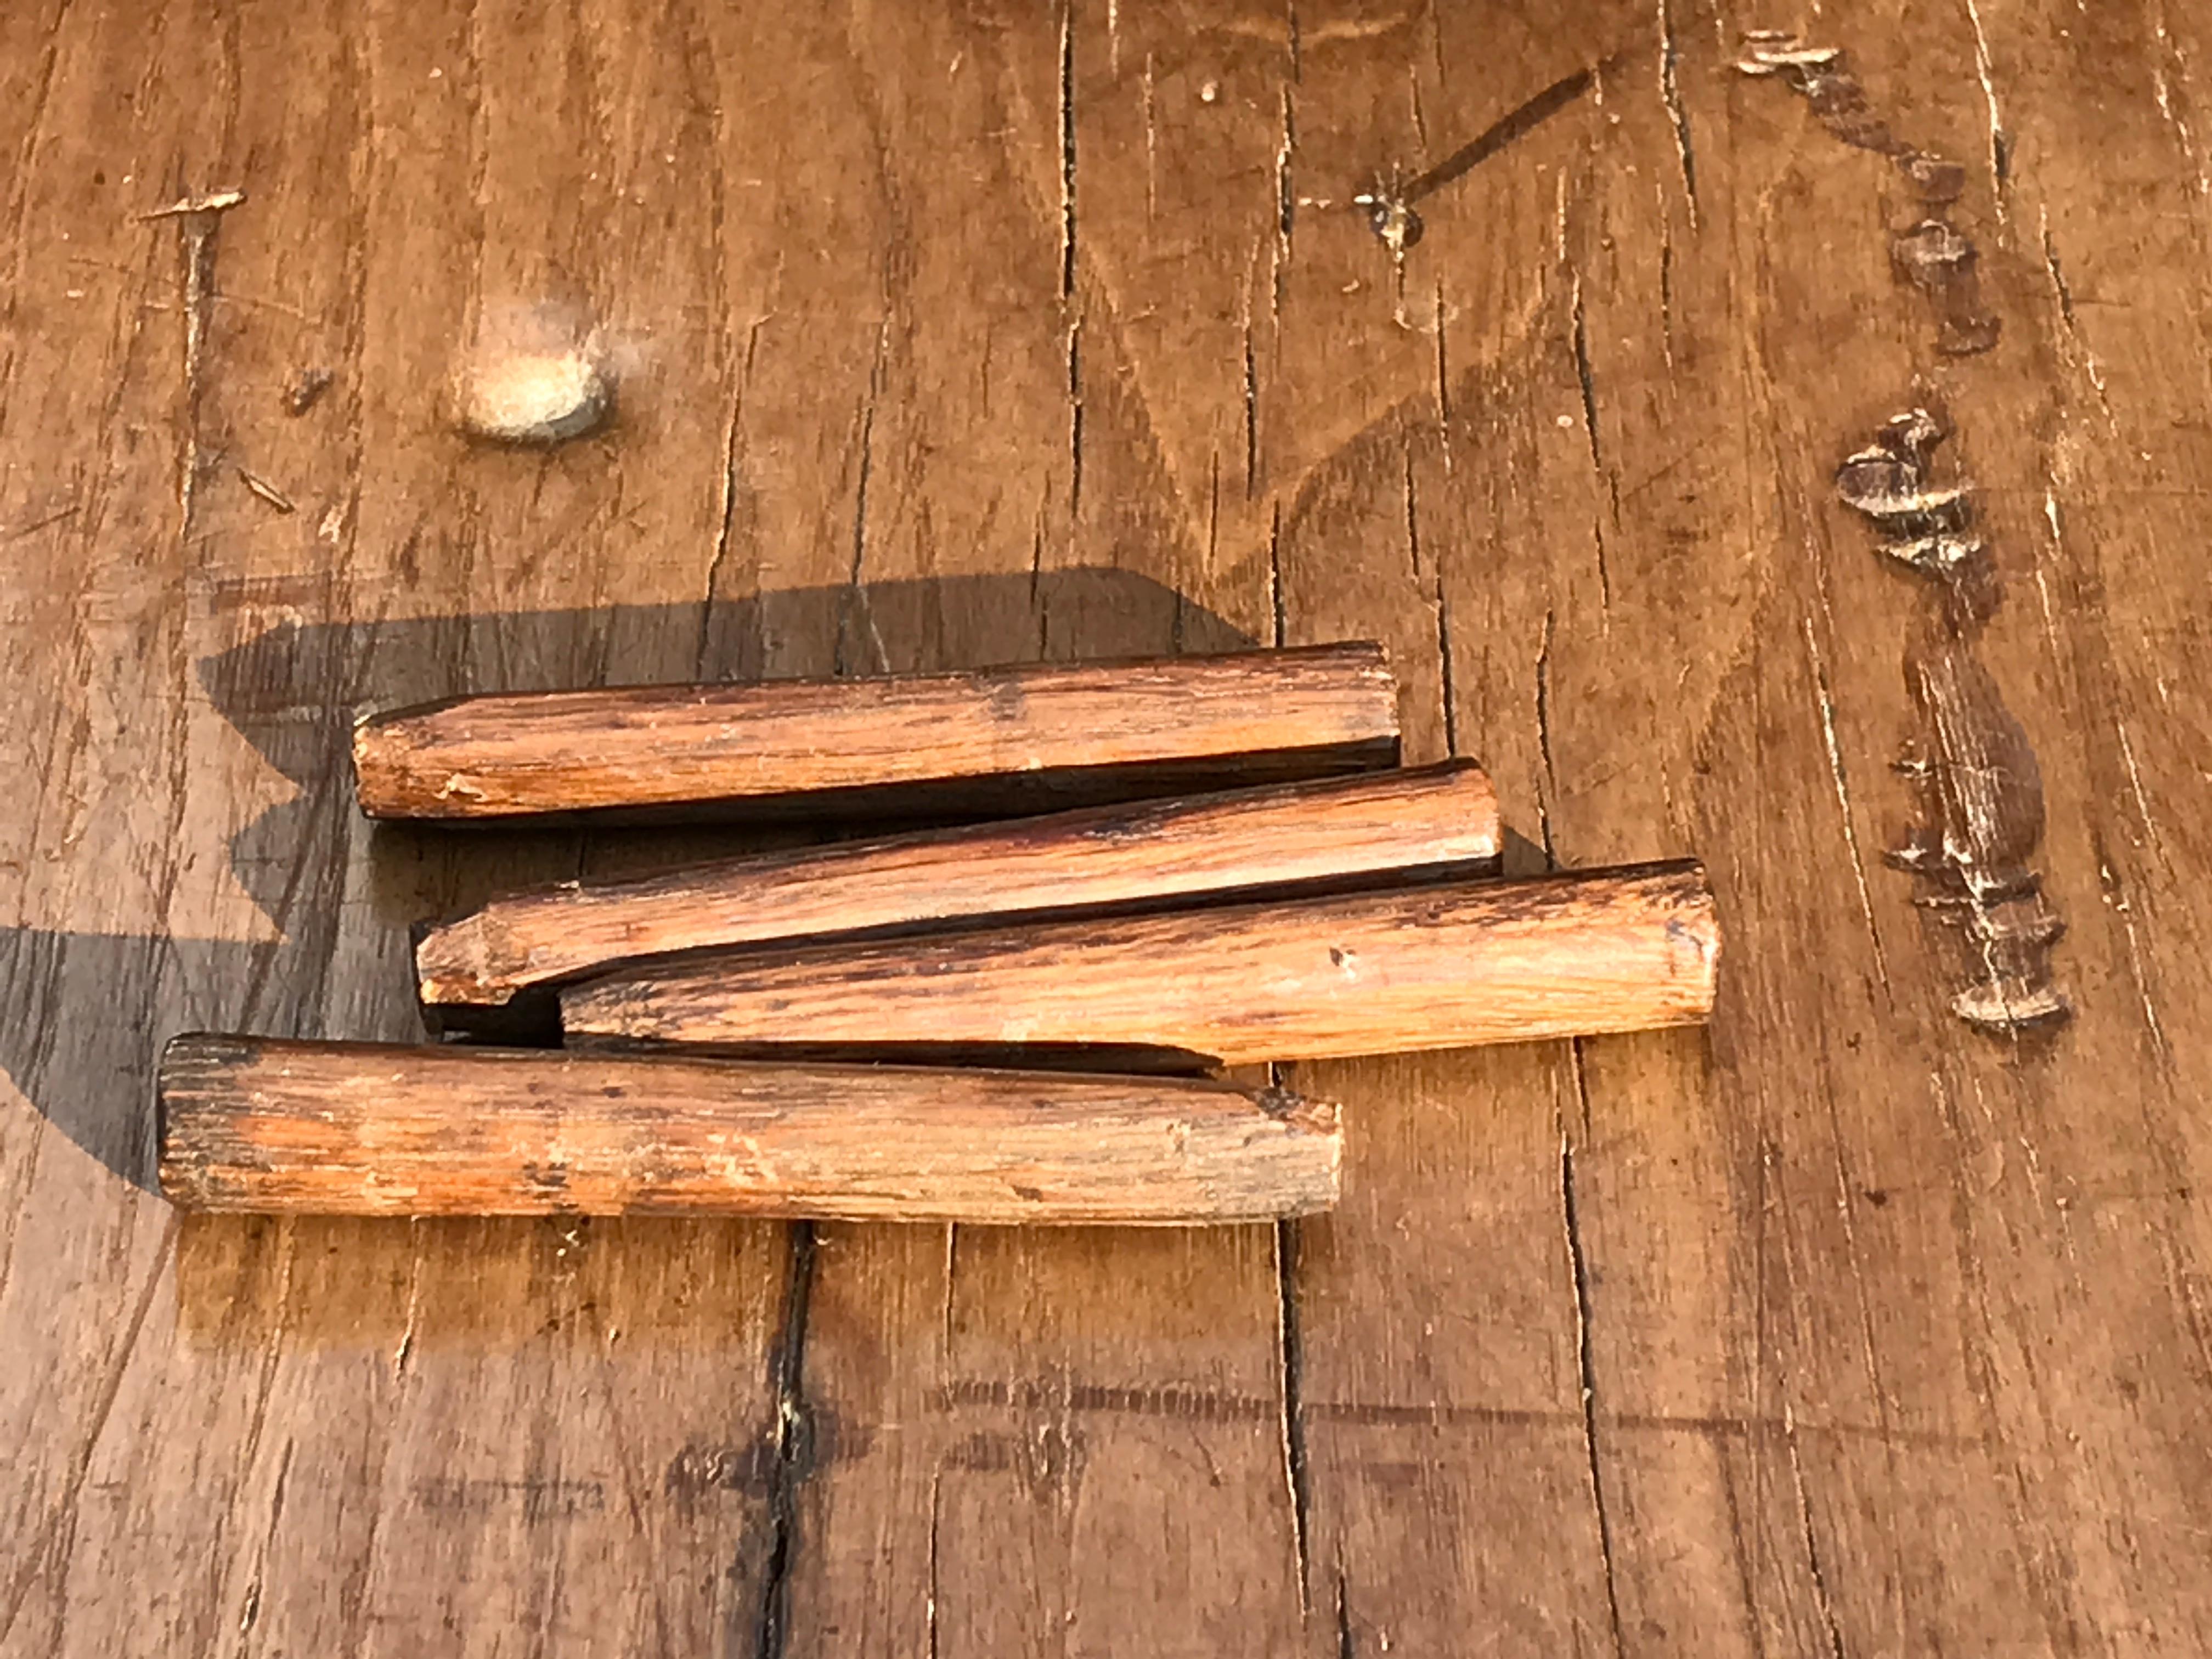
<point x="1438" y="967"/>
<point x="1033" y="739"/>
<point x="356" y="1129"/>
<point x="1335" y="833"/>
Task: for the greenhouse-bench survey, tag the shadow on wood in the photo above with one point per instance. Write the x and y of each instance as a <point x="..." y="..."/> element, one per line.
<point x="82" y="1015"/>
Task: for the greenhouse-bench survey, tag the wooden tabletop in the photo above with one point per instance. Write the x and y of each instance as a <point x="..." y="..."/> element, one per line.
<point x="946" y="335"/>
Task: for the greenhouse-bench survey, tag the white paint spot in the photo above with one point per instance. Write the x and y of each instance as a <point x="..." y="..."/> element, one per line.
<point x="533" y="377"/>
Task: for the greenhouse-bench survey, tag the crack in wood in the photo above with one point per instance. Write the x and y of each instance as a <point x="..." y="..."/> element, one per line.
<point x="59" y="1536"/>
<point x="1584" y="1369"/>
<point x="1290" y="1344"/>
<point x="1066" y="154"/>
<point x="726" y="516"/>
<point x="791" y="1440"/>
<point x="856" y="587"/>
<point x="1547" y="783"/>
<point x="1670" y="94"/>
<point x="198" y="216"/>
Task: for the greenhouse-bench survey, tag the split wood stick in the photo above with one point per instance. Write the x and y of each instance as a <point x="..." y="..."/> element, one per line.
<point x="1335" y="833"/>
<point x="358" y="1128"/>
<point x="1032" y="738"/>
<point x="1438" y="967"/>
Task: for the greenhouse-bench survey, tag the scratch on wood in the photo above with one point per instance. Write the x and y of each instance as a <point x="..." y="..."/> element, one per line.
<point x="1289" y="1347"/>
<point x="2169" y="50"/>
<point x="2116" y="897"/>
<point x="1821" y="1598"/>
<point x="1671" y="92"/>
<point x="1844" y="797"/>
<point x="2135" y="786"/>
<point x="46" y="521"/>
<point x="1151" y="147"/>
<point x="1031" y="1394"/>
<point x="215" y="201"/>
<point x="2063" y="292"/>
<point x="2000" y="144"/>
<point x="252" y="1609"/>
<point x="1074" y="415"/>
<point x="1251" y="419"/>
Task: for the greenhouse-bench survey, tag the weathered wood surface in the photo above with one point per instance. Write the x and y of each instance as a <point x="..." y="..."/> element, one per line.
<point x="369" y="1128"/>
<point x="1414" y="823"/>
<point x="1455" y="965"/>
<point x="1846" y="1326"/>
<point x="1027" y="737"/>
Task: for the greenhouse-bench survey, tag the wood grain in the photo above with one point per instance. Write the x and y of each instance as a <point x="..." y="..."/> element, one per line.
<point x="1443" y="967"/>
<point x="1364" y="832"/>
<point x="965" y="334"/>
<point x="356" y="1129"/>
<point x="1011" y="738"/>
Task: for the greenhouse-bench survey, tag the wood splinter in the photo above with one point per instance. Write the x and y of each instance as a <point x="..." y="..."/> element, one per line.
<point x="1008" y="739"/>
<point x="1367" y="831"/>
<point x="357" y="1128"/>
<point x="1435" y="967"/>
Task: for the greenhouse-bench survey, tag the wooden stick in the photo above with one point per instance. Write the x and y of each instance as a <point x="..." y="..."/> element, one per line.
<point x="1033" y="739"/>
<point x="357" y="1128"/>
<point x="1337" y="832"/>
<point x="1427" y="968"/>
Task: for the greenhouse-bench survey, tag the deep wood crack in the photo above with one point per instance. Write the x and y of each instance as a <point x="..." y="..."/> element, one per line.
<point x="791" y="1444"/>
